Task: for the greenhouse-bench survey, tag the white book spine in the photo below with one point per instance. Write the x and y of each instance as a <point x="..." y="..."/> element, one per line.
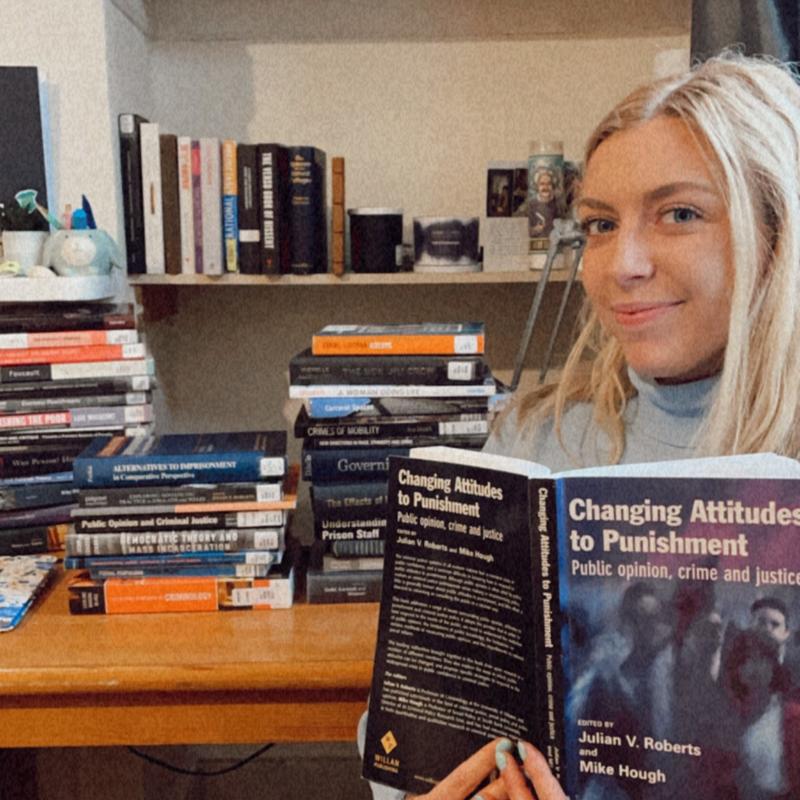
<point x="379" y="390"/>
<point x="185" y="205"/>
<point x="101" y="369"/>
<point x="211" y="194"/>
<point x="151" y="199"/>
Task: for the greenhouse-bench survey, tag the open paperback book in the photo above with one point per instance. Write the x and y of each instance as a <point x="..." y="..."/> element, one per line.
<point x="634" y="622"/>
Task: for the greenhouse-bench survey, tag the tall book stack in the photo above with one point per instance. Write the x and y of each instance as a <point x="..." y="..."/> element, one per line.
<point x="68" y="372"/>
<point x="183" y="522"/>
<point x="370" y="392"/>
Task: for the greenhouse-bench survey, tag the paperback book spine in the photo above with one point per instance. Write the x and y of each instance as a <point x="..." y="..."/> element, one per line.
<point x="55" y="403"/>
<point x="187" y="541"/>
<point x="261" y="557"/>
<point x="151" y="199"/>
<point x="377" y="407"/>
<point x="358" y="586"/>
<point x="71" y="354"/>
<point x="215" y="570"/>
<point x="334" y="499"/>
<point x="308" y="428"/>
<point x="97" y="387"/>
<point x="185" y="204"/>
<point x="273" y="166"/>
<point x="470" y="442"/>
<point x="351" y="527"/>
<point x="37" y="495"/>
<point x="266" y="492"/>
<point x="485" y="389"/>
<point x="309" y="236"/>
<point x="230" y="203"/>
<point x="348" y="464"/>
<point x="79" y="418"/>
<point x="81" y="338"/>
<point x="211" y="200"/>
<point x="170" y="204"/>
<point x="156" y="521"/>
<point x="337" y="216"/>
<point x="197" y="206"/>
<point x="21" y="318"/>
<point x="29" y="517"/>
<point x="37" y="461"/>
<point x="78" y="370"/>
<point x="132" y="193"/>
<point x="249" y="209"/>
<point x="34" y="539"/>
<point x="402" y="345"/>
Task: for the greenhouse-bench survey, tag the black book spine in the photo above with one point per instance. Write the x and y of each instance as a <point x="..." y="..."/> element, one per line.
<point x="29" y="540"/>
<point x="37" y="461"/>
<point x="65" y="402"/>
<point x="248" y="181"/>
<point x="132" y="203"/>
<point x="171" y="521"/>
<point x="170" y="495"/>
<point x="334" y="500"/>
<point x="309" y="232"/>
<point x="36" y="495"/>
<point x="170" y="211"/>
<point x="273" y="166"/>
<point x="343" y="587"/>
<point x="386" y="427"/>
<point x="80" y="317"/>
<point x="348" y="464"/>
<point x="347" y="529"/>
<point x="88" y="387"/>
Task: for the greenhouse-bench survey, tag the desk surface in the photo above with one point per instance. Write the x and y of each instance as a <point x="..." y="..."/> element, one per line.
<point x="300" y="674"/>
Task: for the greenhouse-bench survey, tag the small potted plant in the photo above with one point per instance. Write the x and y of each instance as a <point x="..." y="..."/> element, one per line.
<point x="23" y="235"/>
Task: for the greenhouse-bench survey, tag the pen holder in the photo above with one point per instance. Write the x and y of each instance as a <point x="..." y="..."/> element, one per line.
<point x="82" y="252"/>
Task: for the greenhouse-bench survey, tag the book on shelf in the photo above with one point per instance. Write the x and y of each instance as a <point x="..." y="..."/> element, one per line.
<point x="211" y="206"/>
<point x="248" y="209"/>
<point x="230" y="206"/>
<point x="164" y="560"/>
<point x="486" y="388"/>
<point x="183" y="593"/>
<point x="25" y="340"/>
<point x="70" y="354"/>
<point x="33" y="539"/>
<point x="274" y="213"/>
<point x="46" y="403"/>
<point x="92" y="417"/>
<point x="343" y="586"/>
<point x="151" y="198"/>
<point x="426" y="338"/>
<point x="36" y="495"/>
<point x="307" y="198"/>
<point x="197" y="207"/>
<point x="307" y="369"/>
<point x="133" y="201"/>
<point x="182" y="458"/>
<point x="338" y="234"/>
<point x="605" y="615"/>
<point x="91" y="521"/>
<point x="26" y="318"/>
<point x="79" y="387"/>
<point x="78" y="370"/>
<point x="170" y="203"/>
<point x="30" y="517"/>
<point x="368" y="408"/>
<point x="185" y="204"/>
<point x="22" y="580"/>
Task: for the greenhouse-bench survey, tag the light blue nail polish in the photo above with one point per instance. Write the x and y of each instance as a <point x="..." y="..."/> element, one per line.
<point x="505" y="745"/>
<point x="500" y="759"/>
<point x="477" y="797"/>
<point x="523" y="753"/>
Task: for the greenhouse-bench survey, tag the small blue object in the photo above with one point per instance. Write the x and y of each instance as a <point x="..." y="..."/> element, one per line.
<point x="86" y="206"/>
<point x="79" y="221"/>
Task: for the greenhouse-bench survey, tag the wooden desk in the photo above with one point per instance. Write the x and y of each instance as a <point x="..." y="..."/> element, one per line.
<point x="300" y="674"/>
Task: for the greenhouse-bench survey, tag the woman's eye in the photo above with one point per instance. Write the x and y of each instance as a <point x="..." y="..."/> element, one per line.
<point x="597" y="225"/>
<point x="680" y="214"/>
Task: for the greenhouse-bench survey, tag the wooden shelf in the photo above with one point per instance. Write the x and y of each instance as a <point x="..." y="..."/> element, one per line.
<point x="349" y="279"/>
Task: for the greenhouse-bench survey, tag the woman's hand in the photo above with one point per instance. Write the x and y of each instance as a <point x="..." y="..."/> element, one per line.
<point x="462" y="782"/>
<point x="535" y="766"/>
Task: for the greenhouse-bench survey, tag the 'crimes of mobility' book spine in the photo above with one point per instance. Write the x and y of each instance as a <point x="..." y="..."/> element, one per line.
<point x="638" y="681"/>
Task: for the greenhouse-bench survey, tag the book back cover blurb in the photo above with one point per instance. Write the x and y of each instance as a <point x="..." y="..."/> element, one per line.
<point x="681" y="662"/>
<point x="453" y="662"/>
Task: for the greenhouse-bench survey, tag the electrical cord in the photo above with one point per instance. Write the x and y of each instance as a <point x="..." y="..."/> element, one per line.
<point x="199" y="772"/>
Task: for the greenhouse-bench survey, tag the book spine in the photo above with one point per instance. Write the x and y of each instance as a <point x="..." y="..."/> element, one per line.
<point x="78" y="317"/>
<point x="29" y="517"/>
<point x="136" y="384"/>
<point x="34" y="539"/>
<point x="350" y="529"/>
<point x="343" y="429"/>
<point x="151" y="198"/>
<point x="230" y="203"/>
<point x="337" y="215"/>
<point x="45" y="478"/>
<point x="176" y="469"/>
<point x="309" y="369"/>
<point x="160" y="495"/>
<point x="71" y="354"/>
<point x="178" y="594"/>
<point x="34" y="339"/>
<point x="187" y="541"/>
<point x="39" y="462"/>
<point x="308" y="239"/>
<point x="337" y="499"/>
<point x="304" y="392"/>
<point x="211" y="198"/>
<point x="400" y="345"/>
<point x="57" y="403"/>
<point x="469" y="442"/>
<point x="249" y="209"/>
<point x="343" y="587"/>
<point x="185" y="207"/>
<point x="170" y="204"/>
<point x="79" y="418"/>
<point x="37" y="495"/>
<point x="260" y="557"/>
<point x="215" y="570"/>
<point x="273" y="175"/>
<point x="197" y="205"/>
<point x="132" y="193"/>
<point x="176" y="521"/>
<point x="348" y="464"/>
<point x="361" y="548"/>
<point x="77" y="370"/>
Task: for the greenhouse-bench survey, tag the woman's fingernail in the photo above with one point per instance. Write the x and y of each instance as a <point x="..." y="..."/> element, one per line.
<point x="523" y="753"/>
<point x="500" y="758"/>
<point x="477" y="797"/>
<point x="505" y="744"/>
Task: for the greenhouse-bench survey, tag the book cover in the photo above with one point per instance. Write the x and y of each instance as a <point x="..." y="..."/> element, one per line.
<point x="129" y="126"/>
<point x="182" y="458"/>
<point x="249" y="209"/>
<point x="211" y="204"/>
<point x="170" y="203"/>
<point x="186" y="204"/>
<point x="613" y="617"/>
<point x="152" y="198"/>
<point x="274" y="203"/>
<point x="426" y="338"/>
<point x="230" y="205"/>
<point x="307" y="198"/>
<point x="22" y="579"/>
<point x="306" y="369"/>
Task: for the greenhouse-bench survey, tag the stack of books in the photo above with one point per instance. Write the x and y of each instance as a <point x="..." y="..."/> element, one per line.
<point x="68" y="373"/>
<point x="182" y="522"/>
<point x="370" y="392"/>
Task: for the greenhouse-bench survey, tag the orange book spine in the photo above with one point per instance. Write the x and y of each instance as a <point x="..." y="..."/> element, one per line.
<point x="289" y="503"/>
<point x="72" y="354"/>
<point x="393" y="345"/>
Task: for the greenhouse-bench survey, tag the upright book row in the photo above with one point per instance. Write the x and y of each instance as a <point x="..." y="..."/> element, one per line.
<point x="211" y="206"/>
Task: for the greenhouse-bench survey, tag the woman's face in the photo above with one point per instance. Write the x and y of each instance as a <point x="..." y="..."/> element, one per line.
<point x="657" y="265"/>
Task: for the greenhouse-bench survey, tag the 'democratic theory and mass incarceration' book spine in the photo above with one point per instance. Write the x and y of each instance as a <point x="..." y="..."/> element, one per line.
<point x="635" y="623"/>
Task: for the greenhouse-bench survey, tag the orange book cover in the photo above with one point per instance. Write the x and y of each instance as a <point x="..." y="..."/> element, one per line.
<point x="71" y="354"/>
<point x="457" y="338"/>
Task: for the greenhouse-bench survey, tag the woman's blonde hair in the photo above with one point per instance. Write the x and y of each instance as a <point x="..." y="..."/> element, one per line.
<point x="746" y="113"/>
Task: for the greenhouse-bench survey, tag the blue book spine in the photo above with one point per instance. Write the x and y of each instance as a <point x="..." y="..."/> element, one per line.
<point x="188" y="559"/>
<point x="348" y="464"/>
<point x="163" y="470"/>
<point x="50" y="477"/>
<point x="217" y="570"/>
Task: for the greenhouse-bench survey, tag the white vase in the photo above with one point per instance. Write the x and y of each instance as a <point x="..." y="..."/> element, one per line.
<point x="24" y="247"/>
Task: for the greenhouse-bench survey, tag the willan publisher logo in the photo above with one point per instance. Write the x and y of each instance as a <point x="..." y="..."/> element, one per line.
<point x="389" y="742"/>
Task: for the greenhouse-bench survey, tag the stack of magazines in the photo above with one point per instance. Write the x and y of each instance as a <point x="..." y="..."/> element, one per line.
<point x="183" y="522"/>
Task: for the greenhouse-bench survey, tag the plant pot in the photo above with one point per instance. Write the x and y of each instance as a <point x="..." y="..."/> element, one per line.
<point x="24" y="247"/>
